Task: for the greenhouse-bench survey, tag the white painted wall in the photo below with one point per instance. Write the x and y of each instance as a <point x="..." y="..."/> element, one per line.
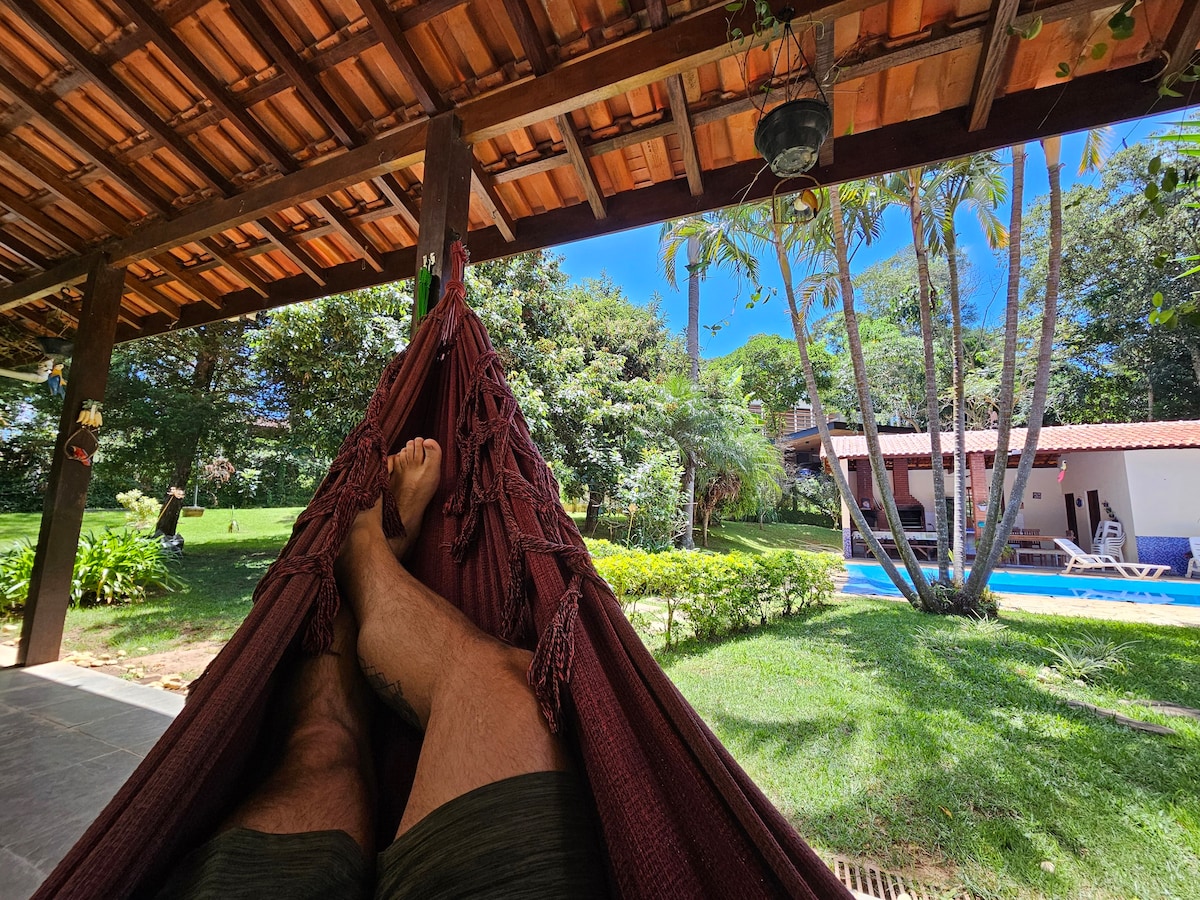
<point x="1164" y="486"/>
<point x="1046" y="513"/>
<point x="1103" y="471"/>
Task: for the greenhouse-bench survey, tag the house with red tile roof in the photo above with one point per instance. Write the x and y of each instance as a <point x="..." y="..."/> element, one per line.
<point x="1146" y="475"/>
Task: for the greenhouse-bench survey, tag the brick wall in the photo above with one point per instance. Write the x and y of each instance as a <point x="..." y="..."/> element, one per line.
<point x="980" y="485"/>
<point x="900" y="487"/>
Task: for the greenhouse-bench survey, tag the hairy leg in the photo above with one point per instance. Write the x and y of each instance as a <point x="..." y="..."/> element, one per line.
<point x="467" y="691"/>
<point x="321" y="782"/>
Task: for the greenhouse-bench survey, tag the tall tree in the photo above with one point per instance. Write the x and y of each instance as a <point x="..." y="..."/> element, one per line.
<point x="707" y="244"/>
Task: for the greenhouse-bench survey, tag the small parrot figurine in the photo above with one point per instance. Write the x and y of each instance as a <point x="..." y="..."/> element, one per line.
<point x="79" y="455"/>
<point x="56" y="382"/>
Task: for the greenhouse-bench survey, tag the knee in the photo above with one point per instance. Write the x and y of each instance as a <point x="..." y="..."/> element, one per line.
<point x="325" y="747"/>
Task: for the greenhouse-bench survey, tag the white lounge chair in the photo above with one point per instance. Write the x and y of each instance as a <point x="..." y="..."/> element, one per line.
<point x="1193" y="569"/>
<point x="1090" y="562"/>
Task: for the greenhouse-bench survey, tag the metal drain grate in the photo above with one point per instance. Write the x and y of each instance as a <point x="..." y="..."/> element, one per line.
<point x="868" y="881"/>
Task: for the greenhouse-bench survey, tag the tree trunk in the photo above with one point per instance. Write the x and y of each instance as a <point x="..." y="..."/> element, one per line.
<point x="933" y="407"/>
<point x="870" y="428"/>
<point x="984" y="540"/>
<point x="800" y="330"/>
<point x="591" y="519"/>
<point x="203" y="376"/>
<point x="1037" y="405"/>
<point x="960" y="413"/>
<point x="693" y="322"/>
<point x="1194" y="350"/>
<point x="688" y="542"/>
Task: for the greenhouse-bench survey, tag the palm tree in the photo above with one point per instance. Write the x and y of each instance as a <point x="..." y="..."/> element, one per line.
<point x="707" y="244"/>
<point x="976" y="183"/>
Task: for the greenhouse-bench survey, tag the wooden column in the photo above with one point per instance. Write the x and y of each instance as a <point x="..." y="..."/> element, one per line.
<point x="445" y="194"/>
<point x="66" y="494"/>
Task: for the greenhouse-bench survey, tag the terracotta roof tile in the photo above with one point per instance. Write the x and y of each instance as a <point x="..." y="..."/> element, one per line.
<point x="1053" y="439"/>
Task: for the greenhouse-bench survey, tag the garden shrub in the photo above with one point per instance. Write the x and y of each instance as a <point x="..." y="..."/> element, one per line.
<point x="719" y="593"/>
<point x="140" y="511"/>
<point x="113" y="567"/>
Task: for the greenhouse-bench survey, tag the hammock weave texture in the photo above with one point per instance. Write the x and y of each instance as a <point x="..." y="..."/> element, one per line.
<point x="679" y="816"/>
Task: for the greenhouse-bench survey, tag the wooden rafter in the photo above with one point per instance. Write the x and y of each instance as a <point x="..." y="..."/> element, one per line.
<point x="823" y="65"/>
<point x="687" y="136"/>
<point x="333" y="214"/>
<point x="991" y="61"/>
<point x="390" y="33"/>
<point x="36" y="169"/>
<point x="485" y="190"/>
<point x="138" y="12"/>
<point x="527" y="34"/>
<point x="79" y="57"/>
<point x="36" y="217"/>
<point x="149" y="293"/>
<point x="1181" y="41"/>
<point x="43" y="107"/>
<point x="22" y="250"/>
<point x="181" y="272"/>
<point x="579" y="160"/>
<point x="291" y="249"/>
<point x="254" y="18"/>
<point x="240" y="268"/>
<point x="405" y="209"/>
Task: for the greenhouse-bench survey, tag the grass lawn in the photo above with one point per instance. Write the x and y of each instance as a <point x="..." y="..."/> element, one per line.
<point x="882" y="733"/>
<point x="747" y="537"/>
<point x="914" y="741"/>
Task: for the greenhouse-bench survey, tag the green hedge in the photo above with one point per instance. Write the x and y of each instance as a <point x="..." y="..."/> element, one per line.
<point x="716" y="593"/>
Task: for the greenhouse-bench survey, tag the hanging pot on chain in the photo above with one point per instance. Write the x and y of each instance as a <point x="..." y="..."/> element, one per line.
<point x="790" y="136"/>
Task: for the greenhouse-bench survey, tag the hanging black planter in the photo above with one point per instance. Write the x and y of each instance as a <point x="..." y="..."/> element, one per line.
<point x="790" y="136"/>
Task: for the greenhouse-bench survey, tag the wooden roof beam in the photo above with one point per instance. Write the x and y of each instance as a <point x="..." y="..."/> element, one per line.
<point x="485" y="190"/>
<point x="238" y="267"/>
<point x="180" y="272"/>
<point x="31" y="316"/>
<point x="527" y="34"/>
<point x="579" y="160"/>
<point x="391" y="35"/>
<point x="1181" y="42"/>
<point x="22" y="250"/>
<point x="69" y="272"/>
<point x="70" y="313"/>
<point x="253" y="16"/>
<point x="45" y="109"/>
<point x="292" y="249"/>
<point x="79" y="57"/>
<point x="142" y="16"/>
<point x="991" y="61"/>
<point x="682" y="118"/>
<point x="342" y="224"/>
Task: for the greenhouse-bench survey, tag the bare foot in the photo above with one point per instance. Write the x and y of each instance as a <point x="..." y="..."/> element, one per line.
<point x="414" y="474"/>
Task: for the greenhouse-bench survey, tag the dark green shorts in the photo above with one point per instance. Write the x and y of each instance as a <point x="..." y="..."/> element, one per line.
<point x="529" y="836"/>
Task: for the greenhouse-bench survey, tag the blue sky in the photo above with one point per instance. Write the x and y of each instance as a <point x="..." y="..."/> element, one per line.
<point x="630" y="258"/>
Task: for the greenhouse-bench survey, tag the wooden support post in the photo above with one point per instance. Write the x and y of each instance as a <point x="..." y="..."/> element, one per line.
<point x="445" y="195"/>
<point x="66" y="494"/>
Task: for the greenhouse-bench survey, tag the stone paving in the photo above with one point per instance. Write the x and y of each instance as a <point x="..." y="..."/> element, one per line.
<point x="69" y="737"/>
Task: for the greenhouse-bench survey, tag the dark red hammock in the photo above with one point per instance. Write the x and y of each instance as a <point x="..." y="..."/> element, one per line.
<point x="679" y="816"/>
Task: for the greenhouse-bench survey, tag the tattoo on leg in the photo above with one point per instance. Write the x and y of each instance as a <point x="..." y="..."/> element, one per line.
<point x="389" y="692"/>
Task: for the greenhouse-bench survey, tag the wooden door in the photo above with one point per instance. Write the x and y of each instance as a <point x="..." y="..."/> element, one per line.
<point x="1093" y="498"/>
<point x="1072" y="519"/>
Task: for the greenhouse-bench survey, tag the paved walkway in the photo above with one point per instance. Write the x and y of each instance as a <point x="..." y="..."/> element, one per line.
<point x="69" y="737"/>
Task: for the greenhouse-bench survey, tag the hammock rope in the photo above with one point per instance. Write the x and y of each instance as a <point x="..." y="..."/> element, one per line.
<point x="679" y="817"/>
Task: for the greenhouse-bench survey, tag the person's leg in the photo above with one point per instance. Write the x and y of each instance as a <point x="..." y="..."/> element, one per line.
<point x="321" y="782"/>
<point x="467" y="691"/>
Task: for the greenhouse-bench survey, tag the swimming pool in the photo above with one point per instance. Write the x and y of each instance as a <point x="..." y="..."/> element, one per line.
<point x="869" y="578"/>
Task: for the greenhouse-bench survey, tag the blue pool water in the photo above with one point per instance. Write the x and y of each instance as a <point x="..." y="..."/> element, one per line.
<point x="869" y="578"/>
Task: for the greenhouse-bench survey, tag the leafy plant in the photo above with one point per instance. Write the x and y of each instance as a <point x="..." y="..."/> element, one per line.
<point x="649" y="495"/>
<point x="140" y="511"/>
<point x="113" y="567"/>
<point x="1089" y="657"/>
<point x="1120" y="27"/>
